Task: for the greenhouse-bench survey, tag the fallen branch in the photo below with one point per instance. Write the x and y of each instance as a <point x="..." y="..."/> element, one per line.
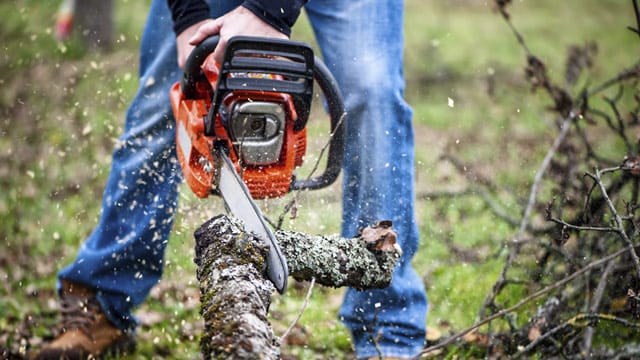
<point x="334" y="261"/>
<point x="235" y="294"/>
<point x="524" y="301"/>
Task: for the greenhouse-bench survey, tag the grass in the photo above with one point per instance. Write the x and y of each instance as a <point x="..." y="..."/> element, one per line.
<point x="62" y="108"/>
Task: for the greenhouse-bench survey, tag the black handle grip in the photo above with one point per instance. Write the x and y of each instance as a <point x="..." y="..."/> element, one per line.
<point x="192" y="69"/>
<point x="333" y="97"/>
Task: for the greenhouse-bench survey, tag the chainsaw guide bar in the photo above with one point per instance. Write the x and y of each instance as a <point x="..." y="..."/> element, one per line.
<point x="239" y="202"/>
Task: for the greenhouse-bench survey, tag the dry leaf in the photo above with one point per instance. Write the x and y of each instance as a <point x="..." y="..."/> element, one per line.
<point x="381" y="235"/>
<point x="534" y="333"/>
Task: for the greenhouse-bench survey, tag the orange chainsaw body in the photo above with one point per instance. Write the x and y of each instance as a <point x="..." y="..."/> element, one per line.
<point x="195" y="149"/>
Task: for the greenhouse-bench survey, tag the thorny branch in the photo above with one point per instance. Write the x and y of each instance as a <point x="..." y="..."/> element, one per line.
<point x="587" y="249"/>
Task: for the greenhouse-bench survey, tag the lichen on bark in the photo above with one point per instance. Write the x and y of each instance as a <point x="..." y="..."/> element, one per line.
<point x="236" y="294"/>
<point x="364" y="262"/>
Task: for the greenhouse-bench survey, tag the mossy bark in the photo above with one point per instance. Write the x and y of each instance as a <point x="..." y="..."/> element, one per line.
<point x="235" y="293"/>
<point x="364" y="262"/>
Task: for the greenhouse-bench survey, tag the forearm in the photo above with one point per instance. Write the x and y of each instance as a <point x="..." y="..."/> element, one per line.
<point x="187" y="12"/>
<point x="280" y="14"/>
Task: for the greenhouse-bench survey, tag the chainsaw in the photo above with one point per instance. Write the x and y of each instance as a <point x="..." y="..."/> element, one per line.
<point x="241" y="127"/>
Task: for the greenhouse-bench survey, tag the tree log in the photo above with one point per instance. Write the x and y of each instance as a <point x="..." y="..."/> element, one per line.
<point x="235" y="293"/>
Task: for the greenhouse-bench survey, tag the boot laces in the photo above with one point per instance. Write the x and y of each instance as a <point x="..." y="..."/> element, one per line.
<point x="79" y="314"/>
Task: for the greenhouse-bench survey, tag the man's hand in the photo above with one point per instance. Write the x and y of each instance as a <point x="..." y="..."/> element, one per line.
<point x="239" y="21"/>
<point x="182" y="42"/>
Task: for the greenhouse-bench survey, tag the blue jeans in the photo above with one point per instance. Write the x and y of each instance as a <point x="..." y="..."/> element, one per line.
<point x="362" y="44"/>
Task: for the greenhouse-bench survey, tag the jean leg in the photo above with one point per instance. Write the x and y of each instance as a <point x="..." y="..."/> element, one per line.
<point x="124" y="256"/>
<point x="362" y="44"/>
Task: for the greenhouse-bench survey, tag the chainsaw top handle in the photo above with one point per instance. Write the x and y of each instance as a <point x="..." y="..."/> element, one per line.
<point x="192" y="74"/>
<point x="296" y="67"/>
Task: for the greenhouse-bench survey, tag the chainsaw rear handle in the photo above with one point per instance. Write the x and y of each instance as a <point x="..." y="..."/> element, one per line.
<point x="295" y="62"/>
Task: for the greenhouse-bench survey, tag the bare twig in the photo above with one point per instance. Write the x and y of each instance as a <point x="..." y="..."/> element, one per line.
<point x="296" y="195"/>
<point x="595" y="303"/>
<point x="540" y="339"/>
<point x="632" y="72"/>
<point x="620" y="127"/>
<point x="524" y="301"/>
<point x="501" y="5"/>
<point x="533" y="193"/>
<point x="302" y="309"/>
<point x="618" y="219"/>
<point x="637" y="12"/>
<point x="579" y="320"/>
<point x="582" y="228"/>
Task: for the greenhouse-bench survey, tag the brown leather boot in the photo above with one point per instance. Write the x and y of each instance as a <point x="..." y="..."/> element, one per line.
<point x="86" y="331"/>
